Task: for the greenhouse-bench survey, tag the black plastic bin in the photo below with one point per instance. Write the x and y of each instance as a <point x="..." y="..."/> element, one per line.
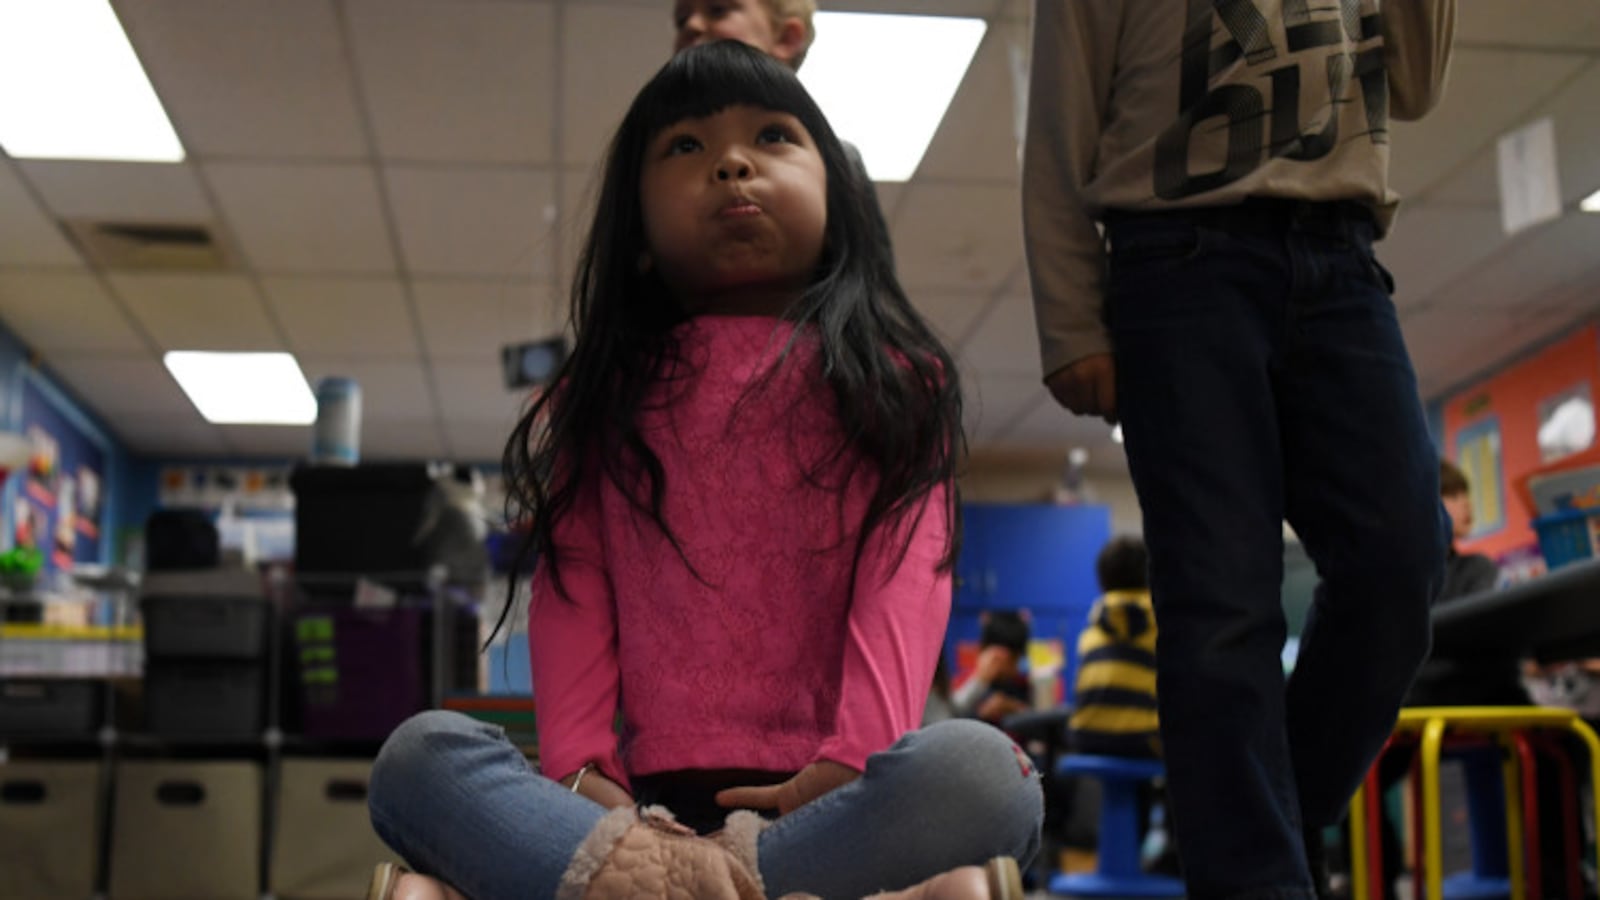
<point x="361" y="519"/>
<point x="210" y="627"/>
<point x="204" y="699"/>
<point x="64" y="708"/>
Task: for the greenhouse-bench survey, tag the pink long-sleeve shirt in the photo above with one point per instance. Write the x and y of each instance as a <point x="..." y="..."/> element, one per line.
<point x="771" y="658"/>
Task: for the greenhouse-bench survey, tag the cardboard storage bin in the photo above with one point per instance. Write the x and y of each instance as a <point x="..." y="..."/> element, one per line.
<point x="323" y="845"/>
<point x="186" y="831"/>
<point x="49" y="829"/>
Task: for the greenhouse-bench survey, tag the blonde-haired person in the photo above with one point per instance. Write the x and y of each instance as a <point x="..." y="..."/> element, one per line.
<point x="782" y="28"/>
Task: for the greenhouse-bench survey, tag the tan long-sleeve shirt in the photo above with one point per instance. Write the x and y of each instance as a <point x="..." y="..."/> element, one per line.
<point x="1153" y="104"/>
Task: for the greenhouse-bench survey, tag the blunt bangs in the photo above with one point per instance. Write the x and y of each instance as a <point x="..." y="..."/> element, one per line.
<point x="702" y="81"/>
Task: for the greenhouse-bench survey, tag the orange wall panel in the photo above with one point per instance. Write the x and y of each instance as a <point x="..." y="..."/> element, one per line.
<point x="1511" y="399"/>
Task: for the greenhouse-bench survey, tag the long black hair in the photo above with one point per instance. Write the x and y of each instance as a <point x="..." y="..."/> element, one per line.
<point x="896" y="387"/>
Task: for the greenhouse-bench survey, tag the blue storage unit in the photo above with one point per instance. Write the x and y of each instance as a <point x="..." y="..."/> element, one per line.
<point x="1029" y="556"/>
<point x="1566" y="536"/>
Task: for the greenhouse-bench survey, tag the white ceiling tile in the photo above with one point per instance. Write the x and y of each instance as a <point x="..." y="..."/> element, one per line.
<point x="198" y="311"/>
<point x="244" y="78"/>
<point x="1006" y="341"/>
<point x="28" y="237"/>
<point x="390" y="391"/>
<point x="993" y="402"/>
<point x="359" y="318"/>
<point x="476" y="392"/>
<point x="609" y="54"/>
<point x="386" y="440"/>
<point x="473" y="221"/>
<point x="1048" y="425"/>
<point x="1474" y="183"/>
<point x="471" y="320"/>
<point x="1430" y="246"/>
<point x="168" y="435"/>
<point x="982" y="128"/>
<point x="471" y="441"/>
<point x="122" y="387"/>
<point x="1578" y="134"/>
<point x="1548" y="23"/>
<point x="125" y="192"/>
<point x="952" y="315"/>
<point x="1490" y="92"/>
<point x="1529" y="271"/>
<point x="1577" y="131"/>
<point x="485" y="70"/>
<point x="292" y="442"/>
<point x="326" y="219"/>
<point x="957" y="236"/>
<point x="64" y="312"/>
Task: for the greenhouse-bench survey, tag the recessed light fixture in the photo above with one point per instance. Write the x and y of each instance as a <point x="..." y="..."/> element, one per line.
<point x="71" y="86"/>
<point x="1591" y="203"/>
<point x="244" y="388"/>
<point x="885" y="81"/>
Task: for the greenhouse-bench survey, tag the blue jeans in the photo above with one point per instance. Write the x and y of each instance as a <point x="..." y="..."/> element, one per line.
<point x="1261" y="376"/>
<point x="456" y="800"/>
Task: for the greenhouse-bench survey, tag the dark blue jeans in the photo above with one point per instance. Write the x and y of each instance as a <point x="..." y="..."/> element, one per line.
<point x="1262" y="377"/>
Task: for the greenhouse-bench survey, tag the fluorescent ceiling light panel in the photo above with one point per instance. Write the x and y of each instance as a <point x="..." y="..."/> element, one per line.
<point x="1591" y="203"/>
<point x="244" y="388"/>
<point x="72" y="88"/>
<point x="884" y="81"/>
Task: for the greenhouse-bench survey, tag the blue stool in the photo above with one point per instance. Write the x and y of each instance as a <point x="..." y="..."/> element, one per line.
<point x="1490" y="875"/>
<point x="1117" y="873"/>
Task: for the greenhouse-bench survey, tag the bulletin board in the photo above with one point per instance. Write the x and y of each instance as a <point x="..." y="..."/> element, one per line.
<point x="59" y="502"/>
<point x="1491" y="430"/>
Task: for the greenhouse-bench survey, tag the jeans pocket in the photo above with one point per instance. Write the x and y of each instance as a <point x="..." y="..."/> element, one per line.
<point x="1154" y="245"/>
<point x="1385" y="277"/>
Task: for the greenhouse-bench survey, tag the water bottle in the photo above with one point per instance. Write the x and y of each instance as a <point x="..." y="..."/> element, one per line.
<point x="336" y="437"/>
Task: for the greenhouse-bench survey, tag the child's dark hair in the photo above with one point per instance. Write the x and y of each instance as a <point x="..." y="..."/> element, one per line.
<point x="1452" y="481"/>
<point x="895" y="386"/>
<point x="1005" y="629"/>
<point x="1123" y="564"/>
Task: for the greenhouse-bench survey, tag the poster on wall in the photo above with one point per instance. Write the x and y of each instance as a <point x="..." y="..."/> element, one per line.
<point x="1478" y="455"/>
<point x="59" y="506"/>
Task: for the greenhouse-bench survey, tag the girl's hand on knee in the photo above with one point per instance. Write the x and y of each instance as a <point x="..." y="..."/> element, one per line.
<point x="807" y="785"/>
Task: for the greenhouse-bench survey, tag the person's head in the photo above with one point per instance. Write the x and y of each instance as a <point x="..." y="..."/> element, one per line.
<point x="1123" y="564"/>
<point x="707" y="135"/>
<point x="1006" y="629"/>
<point x="1457" y="497"/>
<point x="781" y="28"/>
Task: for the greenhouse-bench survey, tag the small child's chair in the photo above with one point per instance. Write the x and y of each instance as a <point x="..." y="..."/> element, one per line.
<point x="1117" y="872"/>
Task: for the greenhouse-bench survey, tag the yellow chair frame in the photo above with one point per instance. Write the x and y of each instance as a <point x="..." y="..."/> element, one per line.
<point x="1431" y="724"/>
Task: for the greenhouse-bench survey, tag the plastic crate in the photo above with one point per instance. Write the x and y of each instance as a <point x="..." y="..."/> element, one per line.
<point x="1567" y="536"/>
<point x="50" y="708"/>
<point x="204" y="628"/>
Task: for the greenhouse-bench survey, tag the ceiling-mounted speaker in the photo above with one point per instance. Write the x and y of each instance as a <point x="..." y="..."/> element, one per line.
<point x="532" y="363"/>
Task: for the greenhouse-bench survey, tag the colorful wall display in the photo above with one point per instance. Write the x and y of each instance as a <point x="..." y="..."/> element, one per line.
<point x="1492" y="430"/>
<point x="58" y="505"/>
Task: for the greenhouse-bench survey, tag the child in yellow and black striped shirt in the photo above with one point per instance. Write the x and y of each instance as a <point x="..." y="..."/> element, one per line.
<point x="1114" y="707"/>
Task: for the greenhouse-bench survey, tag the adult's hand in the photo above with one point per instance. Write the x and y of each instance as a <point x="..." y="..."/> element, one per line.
<point x="1088" y="387"/>
<point x="807" y="785"/>
<point x="599" y="788"/>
